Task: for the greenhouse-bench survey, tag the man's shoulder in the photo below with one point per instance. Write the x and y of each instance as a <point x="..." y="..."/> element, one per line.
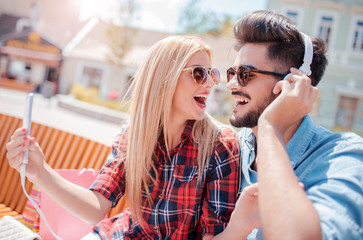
<point x="338" y="140"/>
<point x="349" y="137"/>
<point x="331" y="148"/>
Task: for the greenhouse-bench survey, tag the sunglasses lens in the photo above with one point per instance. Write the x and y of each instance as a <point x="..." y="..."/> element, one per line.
<point x="200" y="75"/>
<point x="242" y="75"/>
<point x="230" y="74"/>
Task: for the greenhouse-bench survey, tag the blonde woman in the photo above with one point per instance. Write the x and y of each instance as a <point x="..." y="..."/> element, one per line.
<point x="178" y="168"/>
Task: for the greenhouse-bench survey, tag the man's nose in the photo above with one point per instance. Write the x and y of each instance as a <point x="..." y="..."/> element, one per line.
<point x="233" y="83"/>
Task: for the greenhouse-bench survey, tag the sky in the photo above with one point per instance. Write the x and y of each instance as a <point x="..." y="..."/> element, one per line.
<point x="162" y="15"/>
<point x="155" y="16"/>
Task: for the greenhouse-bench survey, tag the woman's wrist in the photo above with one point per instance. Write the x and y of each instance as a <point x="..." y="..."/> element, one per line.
<point x="236" y="227"/>
<point x="40" y="176"/>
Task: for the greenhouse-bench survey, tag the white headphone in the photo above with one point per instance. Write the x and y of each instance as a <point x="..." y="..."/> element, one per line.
<point x="308" y="56"/>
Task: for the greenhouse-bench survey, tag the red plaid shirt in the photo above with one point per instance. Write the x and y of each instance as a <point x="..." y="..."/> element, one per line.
<point x="180" y="209"/>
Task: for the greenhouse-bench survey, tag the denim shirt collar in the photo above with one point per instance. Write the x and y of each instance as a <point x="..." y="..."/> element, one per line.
<point x="299" y="143"/>
<point x="295" y="147"/>
<point x="248" y="143"/>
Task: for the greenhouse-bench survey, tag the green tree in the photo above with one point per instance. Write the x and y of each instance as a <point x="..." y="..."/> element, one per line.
<point x="197" y="18"/>
<point x="194" y="18"/>
<point x="226" y="28"/>
<point x="120" y="35"/>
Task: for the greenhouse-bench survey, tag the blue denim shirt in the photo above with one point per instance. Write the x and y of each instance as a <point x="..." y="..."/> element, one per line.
<point x="331" y="167"/>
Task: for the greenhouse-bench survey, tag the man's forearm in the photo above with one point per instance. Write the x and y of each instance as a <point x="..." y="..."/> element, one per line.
<point x="285" y="210"/>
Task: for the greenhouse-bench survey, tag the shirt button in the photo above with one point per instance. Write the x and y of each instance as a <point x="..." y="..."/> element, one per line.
<point x="161" y="196"/>
<point x="156" y="228"/>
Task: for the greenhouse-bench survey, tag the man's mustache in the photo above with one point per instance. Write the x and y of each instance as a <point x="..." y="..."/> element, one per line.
<point x="239" y="93"/>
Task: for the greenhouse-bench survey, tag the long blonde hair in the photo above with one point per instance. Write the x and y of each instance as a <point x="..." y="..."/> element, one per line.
<point x="153" y="88"/>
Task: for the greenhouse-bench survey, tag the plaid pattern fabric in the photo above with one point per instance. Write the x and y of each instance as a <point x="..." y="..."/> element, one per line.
<point x="180" y="209"/>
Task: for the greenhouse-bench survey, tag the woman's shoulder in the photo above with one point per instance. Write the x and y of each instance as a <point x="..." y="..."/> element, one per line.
<point x="120" y="141"/>
<point x="227" y="137"/>
<point x="226" y="148"/>
<point x="226" y="132"/>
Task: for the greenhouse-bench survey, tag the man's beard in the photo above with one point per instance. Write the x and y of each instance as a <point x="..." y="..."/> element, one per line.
<point x="250" y="119"/>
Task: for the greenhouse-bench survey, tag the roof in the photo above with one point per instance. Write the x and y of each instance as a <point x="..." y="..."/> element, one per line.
<point x="28" y="37"/>
<point x="7" y="23"/>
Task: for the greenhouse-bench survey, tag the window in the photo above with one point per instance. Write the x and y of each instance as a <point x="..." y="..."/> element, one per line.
<point x="293" y="15"/>
<point x="52" y="75"/>
<point x="325" y="28"/>
<point x="91" y="76"/>
<point x="346" y="112"/>
<point x="358" y="36"/>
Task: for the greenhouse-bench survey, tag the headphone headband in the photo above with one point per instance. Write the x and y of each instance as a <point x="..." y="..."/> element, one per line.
<point x="308" y="55"/>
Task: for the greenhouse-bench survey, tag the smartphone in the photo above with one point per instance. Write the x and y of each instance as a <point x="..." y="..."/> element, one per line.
<point x="27" y="119"/>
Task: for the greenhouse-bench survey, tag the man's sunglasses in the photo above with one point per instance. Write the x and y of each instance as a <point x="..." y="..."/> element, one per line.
<point x="200" y="74"/>
<point x="243" y="74"/>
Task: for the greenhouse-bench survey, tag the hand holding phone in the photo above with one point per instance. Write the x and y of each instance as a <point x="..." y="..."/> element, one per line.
<point x="27" y="124"/>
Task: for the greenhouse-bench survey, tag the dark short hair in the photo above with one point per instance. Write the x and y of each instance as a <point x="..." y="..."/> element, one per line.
<point x="286" y="44"/>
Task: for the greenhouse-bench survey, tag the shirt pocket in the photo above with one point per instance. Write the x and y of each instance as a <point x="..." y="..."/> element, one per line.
<point x="185" y="173"/>
<point x="185" y="191"/>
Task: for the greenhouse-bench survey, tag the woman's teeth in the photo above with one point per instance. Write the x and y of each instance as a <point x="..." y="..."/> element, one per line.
<point x="201" y="98"/>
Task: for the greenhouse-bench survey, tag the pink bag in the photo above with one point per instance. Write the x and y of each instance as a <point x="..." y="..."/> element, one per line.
<point x="63" y="223"/>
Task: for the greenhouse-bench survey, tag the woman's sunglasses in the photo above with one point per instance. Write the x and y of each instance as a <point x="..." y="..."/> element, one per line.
<point x="243" y="74"/>
<point x="200" y="74"/>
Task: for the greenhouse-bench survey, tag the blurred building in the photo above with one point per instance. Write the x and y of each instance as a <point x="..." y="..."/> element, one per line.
<point x="45" y="47"/>
<point x="84" y="53"/>
<point x="340" y="24"/>
<point x="27" y="59"/>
